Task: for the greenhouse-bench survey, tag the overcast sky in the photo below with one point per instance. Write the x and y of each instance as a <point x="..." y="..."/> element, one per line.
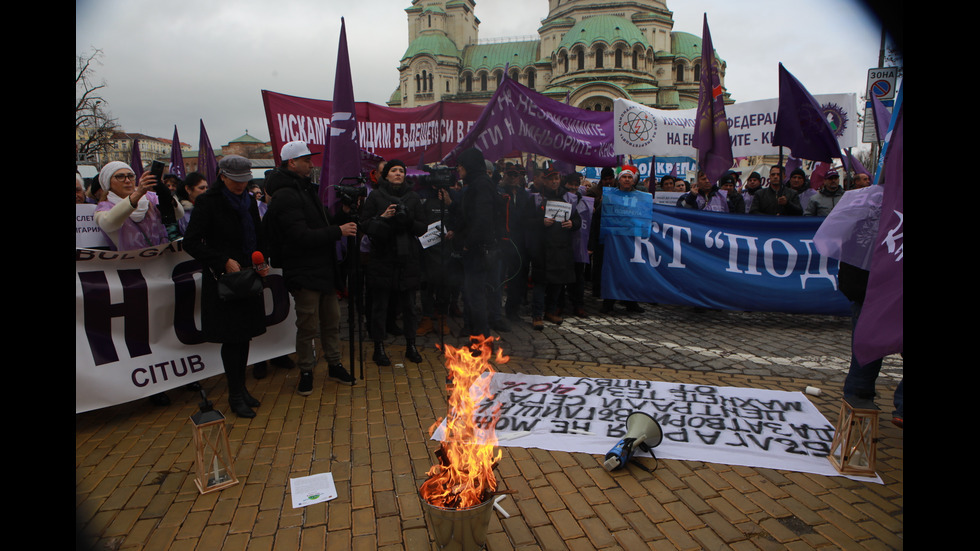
<point x="177" y="62"/>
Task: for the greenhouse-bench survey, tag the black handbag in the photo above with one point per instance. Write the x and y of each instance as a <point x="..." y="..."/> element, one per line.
<point x="243" y="284"/>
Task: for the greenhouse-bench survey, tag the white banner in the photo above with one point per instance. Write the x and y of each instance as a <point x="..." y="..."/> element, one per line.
<point x="138" y="319"/>
<point x="727" y="425"/>
<point x="642" y="130"/>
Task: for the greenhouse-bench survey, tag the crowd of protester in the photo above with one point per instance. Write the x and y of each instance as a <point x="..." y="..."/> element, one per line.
<point x="515" y="243"/>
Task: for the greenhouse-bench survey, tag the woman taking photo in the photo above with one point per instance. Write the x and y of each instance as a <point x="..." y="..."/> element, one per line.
<point x="129" y="215"/>
<point x="222" y="234"/>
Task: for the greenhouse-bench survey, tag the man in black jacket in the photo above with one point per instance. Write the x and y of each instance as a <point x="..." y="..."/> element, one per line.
<point x="478" y="228"/>
<point x="305" y="240"/>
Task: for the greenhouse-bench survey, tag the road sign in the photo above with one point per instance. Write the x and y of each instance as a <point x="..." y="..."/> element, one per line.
<point x="881" y="82"/>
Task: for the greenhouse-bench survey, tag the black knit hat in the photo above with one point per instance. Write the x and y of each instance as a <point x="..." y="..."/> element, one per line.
<point x="389" y="165"/>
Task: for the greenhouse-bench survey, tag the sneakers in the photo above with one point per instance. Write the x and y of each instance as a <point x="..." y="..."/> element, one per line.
<point x="337" y="373"/>
<point x="305" y="383"/>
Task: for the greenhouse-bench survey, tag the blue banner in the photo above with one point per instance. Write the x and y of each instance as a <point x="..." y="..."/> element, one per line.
<point x="724" y="261"/>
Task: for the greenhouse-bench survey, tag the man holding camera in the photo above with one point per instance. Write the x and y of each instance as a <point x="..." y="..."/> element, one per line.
<point x="305" y="246"/>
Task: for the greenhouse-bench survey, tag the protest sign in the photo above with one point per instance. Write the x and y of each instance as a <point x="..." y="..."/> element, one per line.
<point x="727" y="425"/>
<point x="408" y="134"/>
<point x="625" y="213"/>
<point x="137" y="325"/>
<point x="724" y="261"/>
<point x="88" y="234"/>
<point x="642" y="130"/>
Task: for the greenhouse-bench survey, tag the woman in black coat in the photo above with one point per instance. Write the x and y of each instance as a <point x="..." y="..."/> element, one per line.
<point x="392" y="218"/>
<point x="223" y="232"/>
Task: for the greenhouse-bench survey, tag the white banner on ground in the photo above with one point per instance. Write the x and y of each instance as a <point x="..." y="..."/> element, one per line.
<point x="642" y="130"/>
<point x="727" y="425"/>
<point x="137" y="325"/>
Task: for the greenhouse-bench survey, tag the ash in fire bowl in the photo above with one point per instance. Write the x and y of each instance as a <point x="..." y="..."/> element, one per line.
<point x="461" y="485"/>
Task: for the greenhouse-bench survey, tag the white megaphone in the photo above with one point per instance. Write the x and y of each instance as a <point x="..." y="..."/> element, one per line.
<point x="643" y="432"/>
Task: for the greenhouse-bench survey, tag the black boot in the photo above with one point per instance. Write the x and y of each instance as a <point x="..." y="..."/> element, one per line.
<point x="237" y="392"/>
<point x="411" y="352"/>
<point x="380" y="356"/>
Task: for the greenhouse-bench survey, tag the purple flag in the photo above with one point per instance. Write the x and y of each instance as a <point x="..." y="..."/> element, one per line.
<point x="856" y="165"/>
<point x="882" y="118"/>
<point x="135" y="159"/>
<point x="518" y="119"/>
<point x="207" y="163"/>
<point x="711" y="130"/>
<point x="800" y="123"/>
<point x="177" y="157"/>
<point x="342" y="160"/>
<point x="879" y="327"/>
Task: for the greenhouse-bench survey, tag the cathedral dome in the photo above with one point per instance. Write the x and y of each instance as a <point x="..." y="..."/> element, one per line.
<point x="433" y="43"/>
<point x="603" y="28"/>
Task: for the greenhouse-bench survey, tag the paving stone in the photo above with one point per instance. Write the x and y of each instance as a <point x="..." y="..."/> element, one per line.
<point x="135" y="490"/>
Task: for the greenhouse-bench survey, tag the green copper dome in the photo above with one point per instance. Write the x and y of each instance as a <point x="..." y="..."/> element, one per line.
<point x="434" y="43"/>
<point x="497" y="56"/>
<point x="687" y="45"/>
<point x="603" y="28"/>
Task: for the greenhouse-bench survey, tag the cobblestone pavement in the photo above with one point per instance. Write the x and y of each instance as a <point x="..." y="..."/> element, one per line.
<point x="133" y="462"/>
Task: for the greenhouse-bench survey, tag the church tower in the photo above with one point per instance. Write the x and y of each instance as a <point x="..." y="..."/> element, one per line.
<point x="587" y="52"/>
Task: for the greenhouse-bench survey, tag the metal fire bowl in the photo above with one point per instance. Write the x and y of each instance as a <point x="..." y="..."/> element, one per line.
<point x="460" y="529"/>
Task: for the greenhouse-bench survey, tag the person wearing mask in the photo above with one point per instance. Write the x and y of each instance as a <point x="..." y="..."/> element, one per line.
<point x="222" y="235"/>
<point x="736" y="204"/>
<point x="777" y="199"/>
<point x="799" y="183"/>
<point x="305" y="238"/>
<point x="393" y="218"/>
<point x="826" y="199"/>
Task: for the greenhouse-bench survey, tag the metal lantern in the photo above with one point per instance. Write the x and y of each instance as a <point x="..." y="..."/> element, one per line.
<point x="213" y="466"/>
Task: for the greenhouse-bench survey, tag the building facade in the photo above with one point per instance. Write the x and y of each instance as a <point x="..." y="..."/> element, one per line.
<point x="587" y="52"/>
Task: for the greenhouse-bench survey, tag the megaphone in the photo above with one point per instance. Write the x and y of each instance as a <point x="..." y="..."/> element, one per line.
<point x="642" y="431"/>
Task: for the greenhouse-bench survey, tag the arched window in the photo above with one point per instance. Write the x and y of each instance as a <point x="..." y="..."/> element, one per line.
<point x="635" y="60"/>
<point x="483" y="82"/>
<point x="432" y="83"/>
<point x="581" y="59"/>
<point x="697" y="72"/>
<point x="530" y="79"/>
<point x="600" y="53"/>
<point x="425" y="82"/>
<point x="619" y="58"/>
<point x="680" y="73"/>
<point x="565" y="62"/>
<point x="469" y="83"/>
<point x="418" y="84"/>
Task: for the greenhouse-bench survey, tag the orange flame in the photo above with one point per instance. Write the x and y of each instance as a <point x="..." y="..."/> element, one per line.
<point x="464" y="477"/>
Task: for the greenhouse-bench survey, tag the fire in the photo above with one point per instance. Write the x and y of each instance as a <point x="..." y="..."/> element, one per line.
<point x="464" y="476"/>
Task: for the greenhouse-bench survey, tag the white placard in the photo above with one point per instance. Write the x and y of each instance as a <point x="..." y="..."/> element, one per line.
<point x="316" y="488"/>
<point x="558" y="210"/>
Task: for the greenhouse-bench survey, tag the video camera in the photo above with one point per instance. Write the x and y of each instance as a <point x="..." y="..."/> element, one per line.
<point x="439" y="177"/>
<point x="349" y="195"/>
